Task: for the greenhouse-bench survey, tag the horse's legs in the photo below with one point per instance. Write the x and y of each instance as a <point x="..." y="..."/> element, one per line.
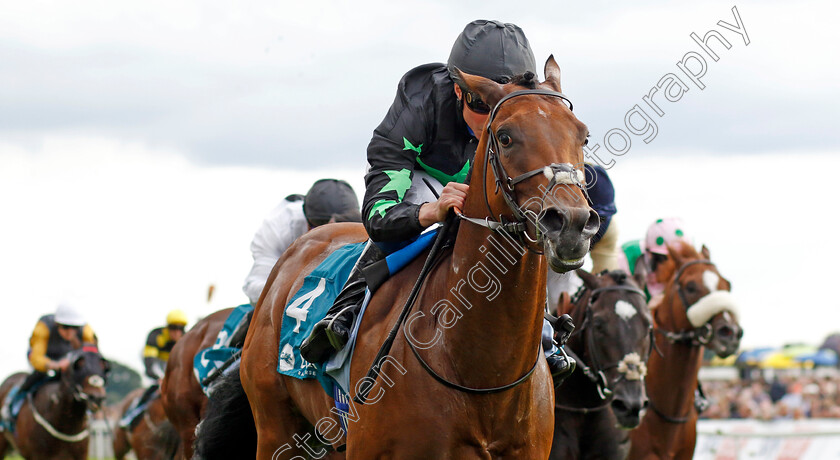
<point x="275" y="421"/>
<point x="120" y="444"/>
<point x="4" y="445"/>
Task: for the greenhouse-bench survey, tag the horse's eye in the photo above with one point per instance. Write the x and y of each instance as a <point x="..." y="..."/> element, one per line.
<point x="586" y="141"/>
<point x="504" y="139"/>
<point x="690" y="288"/>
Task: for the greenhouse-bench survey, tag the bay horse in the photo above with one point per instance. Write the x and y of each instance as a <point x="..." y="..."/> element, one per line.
<point x="181" y="395"/>
<point x="611" y="345"/>
<point x="695" y="304"/>
<point x="53" y="423"/>
<point x="466" y="378"/>
<point x="120" y="442"/>
<point x="152" y="437"/>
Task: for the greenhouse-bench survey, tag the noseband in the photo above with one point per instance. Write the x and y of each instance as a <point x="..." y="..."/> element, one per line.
<point x="558" y="174"/>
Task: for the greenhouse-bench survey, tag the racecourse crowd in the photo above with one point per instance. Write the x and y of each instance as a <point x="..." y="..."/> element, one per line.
<point x="780" y="398"/>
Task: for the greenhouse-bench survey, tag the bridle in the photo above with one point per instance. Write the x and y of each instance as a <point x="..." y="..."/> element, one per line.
<point x="695" y="337"/>
<point x="560" y="174"/>
<point x="596" y="373"/>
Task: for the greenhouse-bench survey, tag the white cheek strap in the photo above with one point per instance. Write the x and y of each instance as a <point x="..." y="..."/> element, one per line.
<point x="710" y="305"/>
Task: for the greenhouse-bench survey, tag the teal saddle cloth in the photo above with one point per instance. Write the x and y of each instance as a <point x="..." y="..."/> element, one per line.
<point x="312" y="302"/>
<point x="310" y="305"/>
<point x="209" y="360"/>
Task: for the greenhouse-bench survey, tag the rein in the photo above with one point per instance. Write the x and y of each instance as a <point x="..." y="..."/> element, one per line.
<point x="563" y="173"/>
<point x="50" y="429"/>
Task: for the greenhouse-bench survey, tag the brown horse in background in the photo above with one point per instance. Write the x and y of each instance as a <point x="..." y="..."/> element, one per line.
<point x="483" y="389"/>
<point x="695" y="306"/>
<point x="120" y="441"/>
<point x="53" y="423"/>
<point x="181" y="395"/>
<point x="151" y="437"/>
<point x="611" y="345"/>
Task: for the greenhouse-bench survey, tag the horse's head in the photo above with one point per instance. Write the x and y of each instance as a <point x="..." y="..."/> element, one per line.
<point x="701" y="300"/>
<point x="614" y="340"/>
<point x="532" y="146"/>
<point x="86" y="376"/>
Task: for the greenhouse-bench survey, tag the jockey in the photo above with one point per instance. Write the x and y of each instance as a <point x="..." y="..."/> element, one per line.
<point x="428" y="133"/>
<point x="649" y="255"/>
<point x="329" y="200"/>
<point x="160" y="341"/>
<point x="55" y="335"/>
<point x="159" y="344"/>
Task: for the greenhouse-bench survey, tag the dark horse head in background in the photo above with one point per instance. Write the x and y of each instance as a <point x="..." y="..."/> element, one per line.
<point x="53" y="422"/>
<point x="85" y="377"/>
<point x="612" y="344"/>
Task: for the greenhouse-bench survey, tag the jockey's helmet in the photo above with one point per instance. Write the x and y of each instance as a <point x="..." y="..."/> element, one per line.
<point x="331" y="200"/>
<point x="67" y="315"/>
<point x="664" y="231"/>
<point x="177" y="318"/>
<point x="493" y="50"/>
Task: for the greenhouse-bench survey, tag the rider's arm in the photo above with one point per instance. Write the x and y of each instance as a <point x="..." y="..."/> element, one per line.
<point x="151" y="352"/>
<point x="88" y="336"/>
<point x="392" y="154"/>
<point x="278" y="231"/>
<point x="38" y="346"/>
<point x="605" y="252"/>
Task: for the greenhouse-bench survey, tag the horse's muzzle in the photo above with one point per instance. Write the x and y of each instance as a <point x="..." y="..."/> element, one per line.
<point x="726" y="339"/>
<point x="627" y="412"/>
<point x="567" y="233"/>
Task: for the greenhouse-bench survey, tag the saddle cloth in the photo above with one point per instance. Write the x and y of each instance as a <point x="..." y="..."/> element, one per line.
<point x="210" y="359"/>
<point x="312" y="302"/>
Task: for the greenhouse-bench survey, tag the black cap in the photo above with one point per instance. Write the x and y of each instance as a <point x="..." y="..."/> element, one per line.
<point x="331" y="200"/>
<point x="493" y="50"/>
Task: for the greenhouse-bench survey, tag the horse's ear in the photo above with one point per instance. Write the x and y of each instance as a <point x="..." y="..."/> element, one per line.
<point x="490" y="91"/>
<point x="704" y="251"/>
<point x="674" y="251"/>
<point x="552" y="74"/>
<point x="589" y="280"/>
<point x="565" y="304"/>
<point x="640" y="272"/>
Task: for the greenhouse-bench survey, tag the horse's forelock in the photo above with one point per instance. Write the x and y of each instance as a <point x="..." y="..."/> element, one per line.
<point x="526" y="80"/>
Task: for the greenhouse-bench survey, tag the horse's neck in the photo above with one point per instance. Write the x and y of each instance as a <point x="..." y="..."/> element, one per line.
<point x="578" y="391"/>
<point x="673" y="375"/>
<point x="499" y="288"/>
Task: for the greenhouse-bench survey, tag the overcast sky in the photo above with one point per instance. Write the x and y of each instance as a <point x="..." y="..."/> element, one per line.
<point x="141" y="143"/>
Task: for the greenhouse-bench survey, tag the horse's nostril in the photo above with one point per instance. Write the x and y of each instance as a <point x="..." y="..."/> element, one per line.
<point x="593" y="223"/>
<point x="726" y="332"/>
<point x="619" y="406"/>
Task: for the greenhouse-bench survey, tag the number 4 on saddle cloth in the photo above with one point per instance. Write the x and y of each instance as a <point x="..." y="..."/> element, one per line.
<point x="311" y="303"/>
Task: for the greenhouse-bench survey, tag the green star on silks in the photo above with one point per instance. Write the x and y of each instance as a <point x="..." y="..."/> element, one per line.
<point x="409" y="146"/>
<point x="400" y="182"/>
